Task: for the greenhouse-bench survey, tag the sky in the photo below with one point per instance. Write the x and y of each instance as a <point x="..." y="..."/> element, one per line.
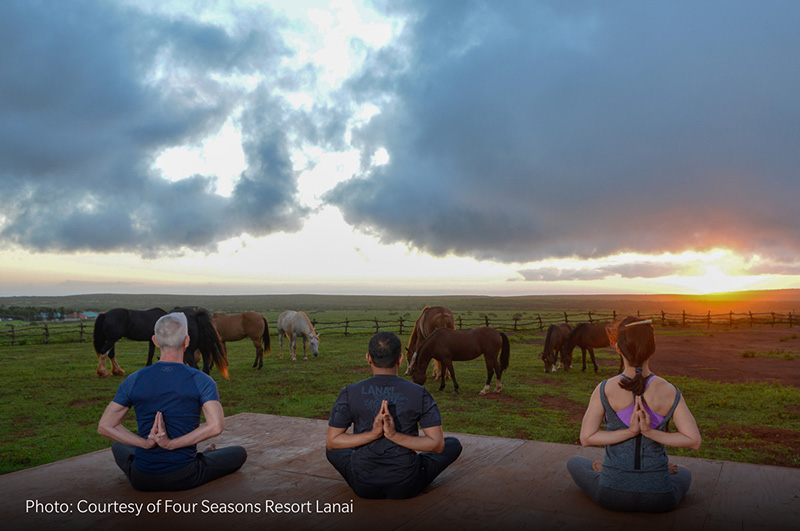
<point x="398" y="147"/>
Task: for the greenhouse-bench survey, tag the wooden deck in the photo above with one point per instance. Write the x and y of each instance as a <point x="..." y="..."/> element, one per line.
<point x="502" y="483"/>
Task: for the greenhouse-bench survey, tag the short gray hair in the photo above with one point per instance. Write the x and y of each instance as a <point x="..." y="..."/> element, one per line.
<point x="171" y="330"/>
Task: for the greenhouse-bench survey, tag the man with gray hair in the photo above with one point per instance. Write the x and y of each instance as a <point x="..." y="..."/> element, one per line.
<point x="168" y="397"/>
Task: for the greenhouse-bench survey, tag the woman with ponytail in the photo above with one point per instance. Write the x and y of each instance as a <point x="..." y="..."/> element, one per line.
<point x="637" y="407"/>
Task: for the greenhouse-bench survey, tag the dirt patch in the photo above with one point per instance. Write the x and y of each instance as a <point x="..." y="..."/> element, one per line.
<point x="717" y="355"/>
<point x="767" y="441"/>
<point x="573" y="409"/>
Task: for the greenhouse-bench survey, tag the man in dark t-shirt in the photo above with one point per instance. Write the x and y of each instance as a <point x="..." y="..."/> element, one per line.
<point x="379" y="458"/>
<point x="168" y="398"/>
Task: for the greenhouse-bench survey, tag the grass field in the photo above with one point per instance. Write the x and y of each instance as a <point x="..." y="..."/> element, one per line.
<point x="51" y="399"/>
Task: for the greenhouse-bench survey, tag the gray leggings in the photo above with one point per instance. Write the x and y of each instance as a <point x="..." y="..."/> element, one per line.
<point x="580" y="468"/>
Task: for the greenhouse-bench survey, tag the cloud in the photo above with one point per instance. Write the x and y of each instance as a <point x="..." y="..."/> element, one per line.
<point x="520" y="131"/>
<point x="94" y="91"/>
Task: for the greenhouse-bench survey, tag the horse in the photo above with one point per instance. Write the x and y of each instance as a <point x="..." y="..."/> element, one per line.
<point x="587" y="337"/>
<point x="235" y="327"/>
<point x="448" y="345"/>
<point x="113" y="325"/>
<point x="203" y="336"/>
<point x="554" y="346"/>
<point x="431" y="318"/>
<point x="293" y="324"/>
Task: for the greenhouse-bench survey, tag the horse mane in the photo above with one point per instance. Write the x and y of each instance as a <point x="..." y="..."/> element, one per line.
<point x="416" y="327"/>
<point x="549" y="337"/>
<point x="425" y="342"/>
<point x="310" y="325"/>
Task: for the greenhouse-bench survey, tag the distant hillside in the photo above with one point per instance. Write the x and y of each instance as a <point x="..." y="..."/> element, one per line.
<point x="755" y="301"/>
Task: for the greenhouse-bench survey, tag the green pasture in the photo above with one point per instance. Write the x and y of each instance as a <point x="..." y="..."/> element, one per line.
<point x="51" y="399"/>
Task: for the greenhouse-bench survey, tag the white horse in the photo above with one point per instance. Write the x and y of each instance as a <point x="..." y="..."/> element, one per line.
<point x="293" y="324"/>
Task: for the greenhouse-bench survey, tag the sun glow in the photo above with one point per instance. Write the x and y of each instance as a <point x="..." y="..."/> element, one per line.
<point x="714" y="280"/>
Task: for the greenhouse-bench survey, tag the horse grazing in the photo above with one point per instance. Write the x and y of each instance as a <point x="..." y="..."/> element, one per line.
<point x="587" y="337"/>
<point x="294" y="324"/>
<point x="554" y="346"/>
<point x="448" y="345"/>
<point x="203" y="336"/>
<point x="237" y="326"/>
<point x="431" y="318"/>
<point x="113" y="325"/>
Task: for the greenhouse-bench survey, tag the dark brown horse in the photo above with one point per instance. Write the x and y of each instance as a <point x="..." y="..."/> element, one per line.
<point x="113" y="325"/>
<point x="448" y="345"/>
<point x="237" y="326"/>
<point x="431" y="318"/>
<point x="587" y="337"/>
<point x="203" y="337"/>
<point x="554" y="346"/>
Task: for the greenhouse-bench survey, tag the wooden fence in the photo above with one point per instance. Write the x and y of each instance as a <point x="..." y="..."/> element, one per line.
<point x="43" y="333"/>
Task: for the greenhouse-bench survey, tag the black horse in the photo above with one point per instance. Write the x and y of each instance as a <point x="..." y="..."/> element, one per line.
<point x="587" y="337"/>
<point x="115" y="324"/>
<point x="203" y="336"/>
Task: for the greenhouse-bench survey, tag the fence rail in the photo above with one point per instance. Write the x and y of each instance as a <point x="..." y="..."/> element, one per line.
<point x="43" y="333"/>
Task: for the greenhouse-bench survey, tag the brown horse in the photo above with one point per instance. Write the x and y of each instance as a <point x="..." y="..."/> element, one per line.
<point x="448" y="345"/>
<point x="431" y="318"/>
<point x="237" y="326"/>
<point x="554" y="346"/>
<point x="587" y="337"/>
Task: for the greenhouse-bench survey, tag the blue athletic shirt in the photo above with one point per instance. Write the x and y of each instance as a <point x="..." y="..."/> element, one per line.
<point x="383" y="462"/>
<point x="179" y="392"/>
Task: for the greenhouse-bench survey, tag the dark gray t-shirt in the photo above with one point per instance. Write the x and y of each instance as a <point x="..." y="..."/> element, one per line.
<point x="383" y="462"/>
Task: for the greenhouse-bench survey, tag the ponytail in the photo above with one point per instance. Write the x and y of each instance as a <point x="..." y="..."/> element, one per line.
<point x="636" y="343"/>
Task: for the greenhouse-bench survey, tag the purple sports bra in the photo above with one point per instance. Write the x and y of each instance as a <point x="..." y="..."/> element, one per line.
<point x="625" y="414"/>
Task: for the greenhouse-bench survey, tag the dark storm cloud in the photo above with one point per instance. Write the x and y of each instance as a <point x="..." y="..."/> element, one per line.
<point x="92" y="92"/>
<point x="525" y="130"/>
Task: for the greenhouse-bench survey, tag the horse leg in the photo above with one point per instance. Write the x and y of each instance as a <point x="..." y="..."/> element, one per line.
<point x="447" y="366"/>
<point x="583" y="351"/>
<point x="280" y="334"/>
<point x="490" y="368"/>
<point x="293" y="346"/>
<point x="102" y="372"/>
<point x="305" y="357"/>
<point x="441" y="384"/>
<point x="591" y="353"/>
<point x="116" y="370"/>
<point x="498" y="371"/>
<point x="259" y="358"/>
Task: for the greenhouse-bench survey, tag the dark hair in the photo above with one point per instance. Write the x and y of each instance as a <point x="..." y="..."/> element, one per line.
<point x="637" y="343"/>
<point x="385" y="349"/>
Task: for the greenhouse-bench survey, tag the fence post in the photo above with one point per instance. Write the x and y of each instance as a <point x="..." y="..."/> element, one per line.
<point x="709" y="318"/>
<point x="566" y="318"/>
<point x="401" y="325"/>
<point x="460" y="324"/>
<point x="614" y="315"/>
<point x="516" y="319"/>
<point x="731" y="319"/>
<point x="47" y="334"/>
<point x="13" y="336"/>
<point x="541" y="325"/>
<point x="773" y="319"/>
<point x="684" y="319"/>
<point x="377" y="326"/>
<point x="346" y="324"/>
<point x="663" y="318"/>
<point x="590" y="318"/>
<point x="790" y="319"/>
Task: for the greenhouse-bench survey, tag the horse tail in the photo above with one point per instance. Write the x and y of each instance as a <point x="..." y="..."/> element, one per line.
<point x="265" y="336"/>
<point x="505" y="353"/>
<point x="209" y="339"/>
<point x="98" y="337"/>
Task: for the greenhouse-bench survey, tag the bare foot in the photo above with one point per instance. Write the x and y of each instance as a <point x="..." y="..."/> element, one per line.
<point x="211" y="447"/>
<point x="597" y="466"/>
<point x="673" y="469"/>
